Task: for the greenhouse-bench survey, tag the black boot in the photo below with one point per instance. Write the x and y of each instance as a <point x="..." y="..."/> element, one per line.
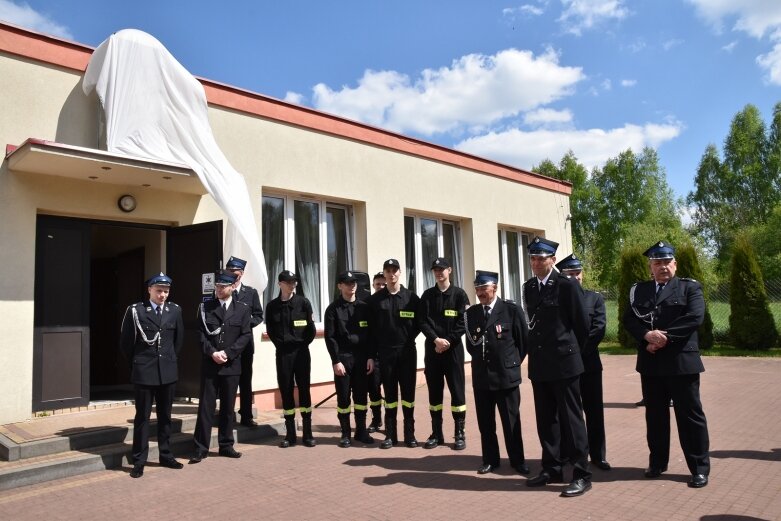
<point x="436" y="438"/>
<point x="344" y="423"/>
<point x="361" y="434"/>
<point x="376" y="419"/>
<point x="409" y="428"/>
<point x="306" y="437"/>
<point x="391" y="438"/>
<point x="290" y="437"/>
<point x="460" y="435"/>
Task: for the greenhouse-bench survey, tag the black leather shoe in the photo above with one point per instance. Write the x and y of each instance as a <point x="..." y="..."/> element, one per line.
<point x="138" y="471"/>
<point x="433" y="442"/>
<point x="230" y="452"/>
<point x="198" y="457"/>
<point x="698" y="481"/>
<point x="602" y="464"/>
<point x="249" y="422"/>
<point x="309" y="442"/>
<point x="654" y="472"/>
<point x="345" y="443"/>
<point x="485" y="469"/>
<point x="411" y="444"/>
<point x="170" y="463"/>
<point x="522" y="468"/>
<point x="542" y="479"/>
<point x="387" y="443"/>
<point x="578" y="487"/>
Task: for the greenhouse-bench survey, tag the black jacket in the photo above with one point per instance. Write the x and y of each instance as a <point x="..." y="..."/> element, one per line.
<point x="597" y="319"/>
<point x="152" y="364"/>
<point x="392" y="319"/>
<point x="558" y="327"/>
<point x="289" y="324"/>
<point x="679" y="309"/>
<point x="235" y="333"/>
<point x="346" y="328"/>
<point x="249" y="296"/>
<point x="441" y="315"/>
<point x="496" y="363"/>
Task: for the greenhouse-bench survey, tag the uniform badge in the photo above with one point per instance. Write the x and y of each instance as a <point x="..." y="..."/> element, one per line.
<point x="498" y="331"/>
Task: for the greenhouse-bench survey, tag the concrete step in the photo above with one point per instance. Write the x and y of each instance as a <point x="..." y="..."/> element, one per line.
<point x="90" y="458"/>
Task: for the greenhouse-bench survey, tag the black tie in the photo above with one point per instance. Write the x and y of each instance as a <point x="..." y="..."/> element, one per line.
<point x="659" y="288"/>
<point x="487" y="312"/>
<point x="225" y="306"/>
<point x="158" y="311"/>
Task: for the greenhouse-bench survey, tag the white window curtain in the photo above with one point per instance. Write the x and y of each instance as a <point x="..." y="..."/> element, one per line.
<point x="427" y="238"/>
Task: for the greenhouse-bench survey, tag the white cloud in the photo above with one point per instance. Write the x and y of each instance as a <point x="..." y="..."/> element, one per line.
<point x="754" y="17"/>
<point x="771" y="62"/>
<point x="730" y="46"/>
<point x="581" y="15"/>
<point x="474" y="91"/>
<point x="628" y="83"/>
<point x="524" y="10"/>
<point x="592" y="147"/>
<point x="544" y="117"/>
<point x="671" y="43"/>
<point x="606" y="84"/>
<point x="294" y="97"/>
<point x="23" y="15"/>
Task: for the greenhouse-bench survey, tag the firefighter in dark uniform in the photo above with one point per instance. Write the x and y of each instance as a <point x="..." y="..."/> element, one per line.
<point x="151" y="337"/>
<point x="375" y="378"/>
<point x="249" y="296"/>
<point x="496" y="339"/>
<point x="441" y="320"/>
<point x="392" y="332"/>
<point x="291" y="328"/>
<point x="346" y="323"/>
<point x="663" y="316"/>
<point x="225" y="332"/>
<point x="558" y="331"/>
<point x="591" y="379"/>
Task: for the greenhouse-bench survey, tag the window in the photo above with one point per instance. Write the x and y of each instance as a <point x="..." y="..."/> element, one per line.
<point x="312" y="238"/>
<point x="425" y="239"/>
<point x="513" y="263"/>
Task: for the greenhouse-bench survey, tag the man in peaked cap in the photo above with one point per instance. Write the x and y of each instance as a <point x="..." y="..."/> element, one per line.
<point x="558" y="332"/>
<point x="151" y="337"/>
<point x="291" y="328"/>
<point x="591" y="379"/>
<point x="249" y="296"/>
<point x="496" y="335"/>
<point x="441" y="320"/>
<point x="225" y="332"/>
<point x="392" y="332"/>
<point x="663" y="316"/>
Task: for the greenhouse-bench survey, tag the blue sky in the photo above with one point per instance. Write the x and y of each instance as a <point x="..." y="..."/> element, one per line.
<point x="517" y="82"/>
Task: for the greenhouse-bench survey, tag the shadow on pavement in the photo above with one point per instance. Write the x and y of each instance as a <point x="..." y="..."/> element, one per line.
<point x="773" y="455"/>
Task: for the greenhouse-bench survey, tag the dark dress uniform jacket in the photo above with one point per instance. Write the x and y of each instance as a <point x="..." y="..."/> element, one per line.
<point x="496" y="364"/>
<point x="595" y="307"/>
<point x="289" y="324"/>
<point x="441" y="315"/>
<point x="392" y="319"/>
<point x="150" y="365"/>
<point x="346" y="328"/>
<point x="558" y="327"/>
<point x="233" y="337"/>
<point x="249" y="296"/>
<point x="679" y="309"/>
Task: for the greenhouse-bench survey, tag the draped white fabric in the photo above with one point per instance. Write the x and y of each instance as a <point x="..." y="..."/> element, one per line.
<point x="155" y="109"/>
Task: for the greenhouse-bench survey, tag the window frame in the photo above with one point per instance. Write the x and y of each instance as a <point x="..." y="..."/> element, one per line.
<point x="524" y="268"/>
<point x="422" y="268"/>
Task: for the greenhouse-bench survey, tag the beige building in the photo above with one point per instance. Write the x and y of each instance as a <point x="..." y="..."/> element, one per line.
<point x="328" y="194"/>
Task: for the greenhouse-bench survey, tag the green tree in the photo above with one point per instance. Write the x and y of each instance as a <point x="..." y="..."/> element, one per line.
<point x="689" y="266"/>
<point x="750" y="321"/>
<point x="768" y="245"/>
<point x="633" y="268"/>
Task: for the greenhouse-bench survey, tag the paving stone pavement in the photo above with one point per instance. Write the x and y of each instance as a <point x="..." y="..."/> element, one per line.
<point x="741" y="397"/>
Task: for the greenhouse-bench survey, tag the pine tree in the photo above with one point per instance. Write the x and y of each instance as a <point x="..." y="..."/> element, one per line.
<point x="750" y="321"/>
<point x="633" y="268"/>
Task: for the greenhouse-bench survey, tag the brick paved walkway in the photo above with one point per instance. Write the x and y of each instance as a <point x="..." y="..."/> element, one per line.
<point x="741" y="400"/>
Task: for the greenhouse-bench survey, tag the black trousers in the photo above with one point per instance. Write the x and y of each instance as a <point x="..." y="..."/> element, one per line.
<point x="246" y="398"/>
<point x="560" y="426"/>
<point x="684" y="390"/>
<point x="354" y="381"/>
<point x="441" y="367"/>
<point x="374" y="384"/>
<point x="293" y="369"/>
<point x="212" y="387"/>
<point x="594" y="409"/>
<point x="508" y="401"/>
<point x="163" y="396"/>
<point x="399" y="371"/>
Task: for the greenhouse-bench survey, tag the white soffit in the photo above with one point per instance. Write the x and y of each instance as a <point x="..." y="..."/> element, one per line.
<point x="36" y="156"/>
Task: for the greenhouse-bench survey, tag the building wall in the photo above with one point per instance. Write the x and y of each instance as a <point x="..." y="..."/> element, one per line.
<point x="43" y="101"/>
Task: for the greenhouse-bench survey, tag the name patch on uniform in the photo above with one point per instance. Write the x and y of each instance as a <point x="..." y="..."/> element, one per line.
<point x="451" y="313"/>
<point x="407" y="314"/>
<point x="363" y="323"/>
<point x="299" y="323"/>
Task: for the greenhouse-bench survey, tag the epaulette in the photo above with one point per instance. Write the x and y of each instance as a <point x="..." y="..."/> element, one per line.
<point x="173" y="304"/>
<point x="688" y="279"/>
<point x="239" y="302"/>
<point x="511" y="303"/>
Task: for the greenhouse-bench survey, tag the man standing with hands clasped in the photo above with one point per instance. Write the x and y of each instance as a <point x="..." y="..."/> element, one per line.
<point x="663" y="316"/>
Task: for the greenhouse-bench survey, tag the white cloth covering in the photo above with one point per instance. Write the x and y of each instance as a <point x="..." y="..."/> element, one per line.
<point x="155" y="109"/>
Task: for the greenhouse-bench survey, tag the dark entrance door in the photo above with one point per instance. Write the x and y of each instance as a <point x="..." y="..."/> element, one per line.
<point x="61" y="336"/>
<point x="191" y="252"/>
